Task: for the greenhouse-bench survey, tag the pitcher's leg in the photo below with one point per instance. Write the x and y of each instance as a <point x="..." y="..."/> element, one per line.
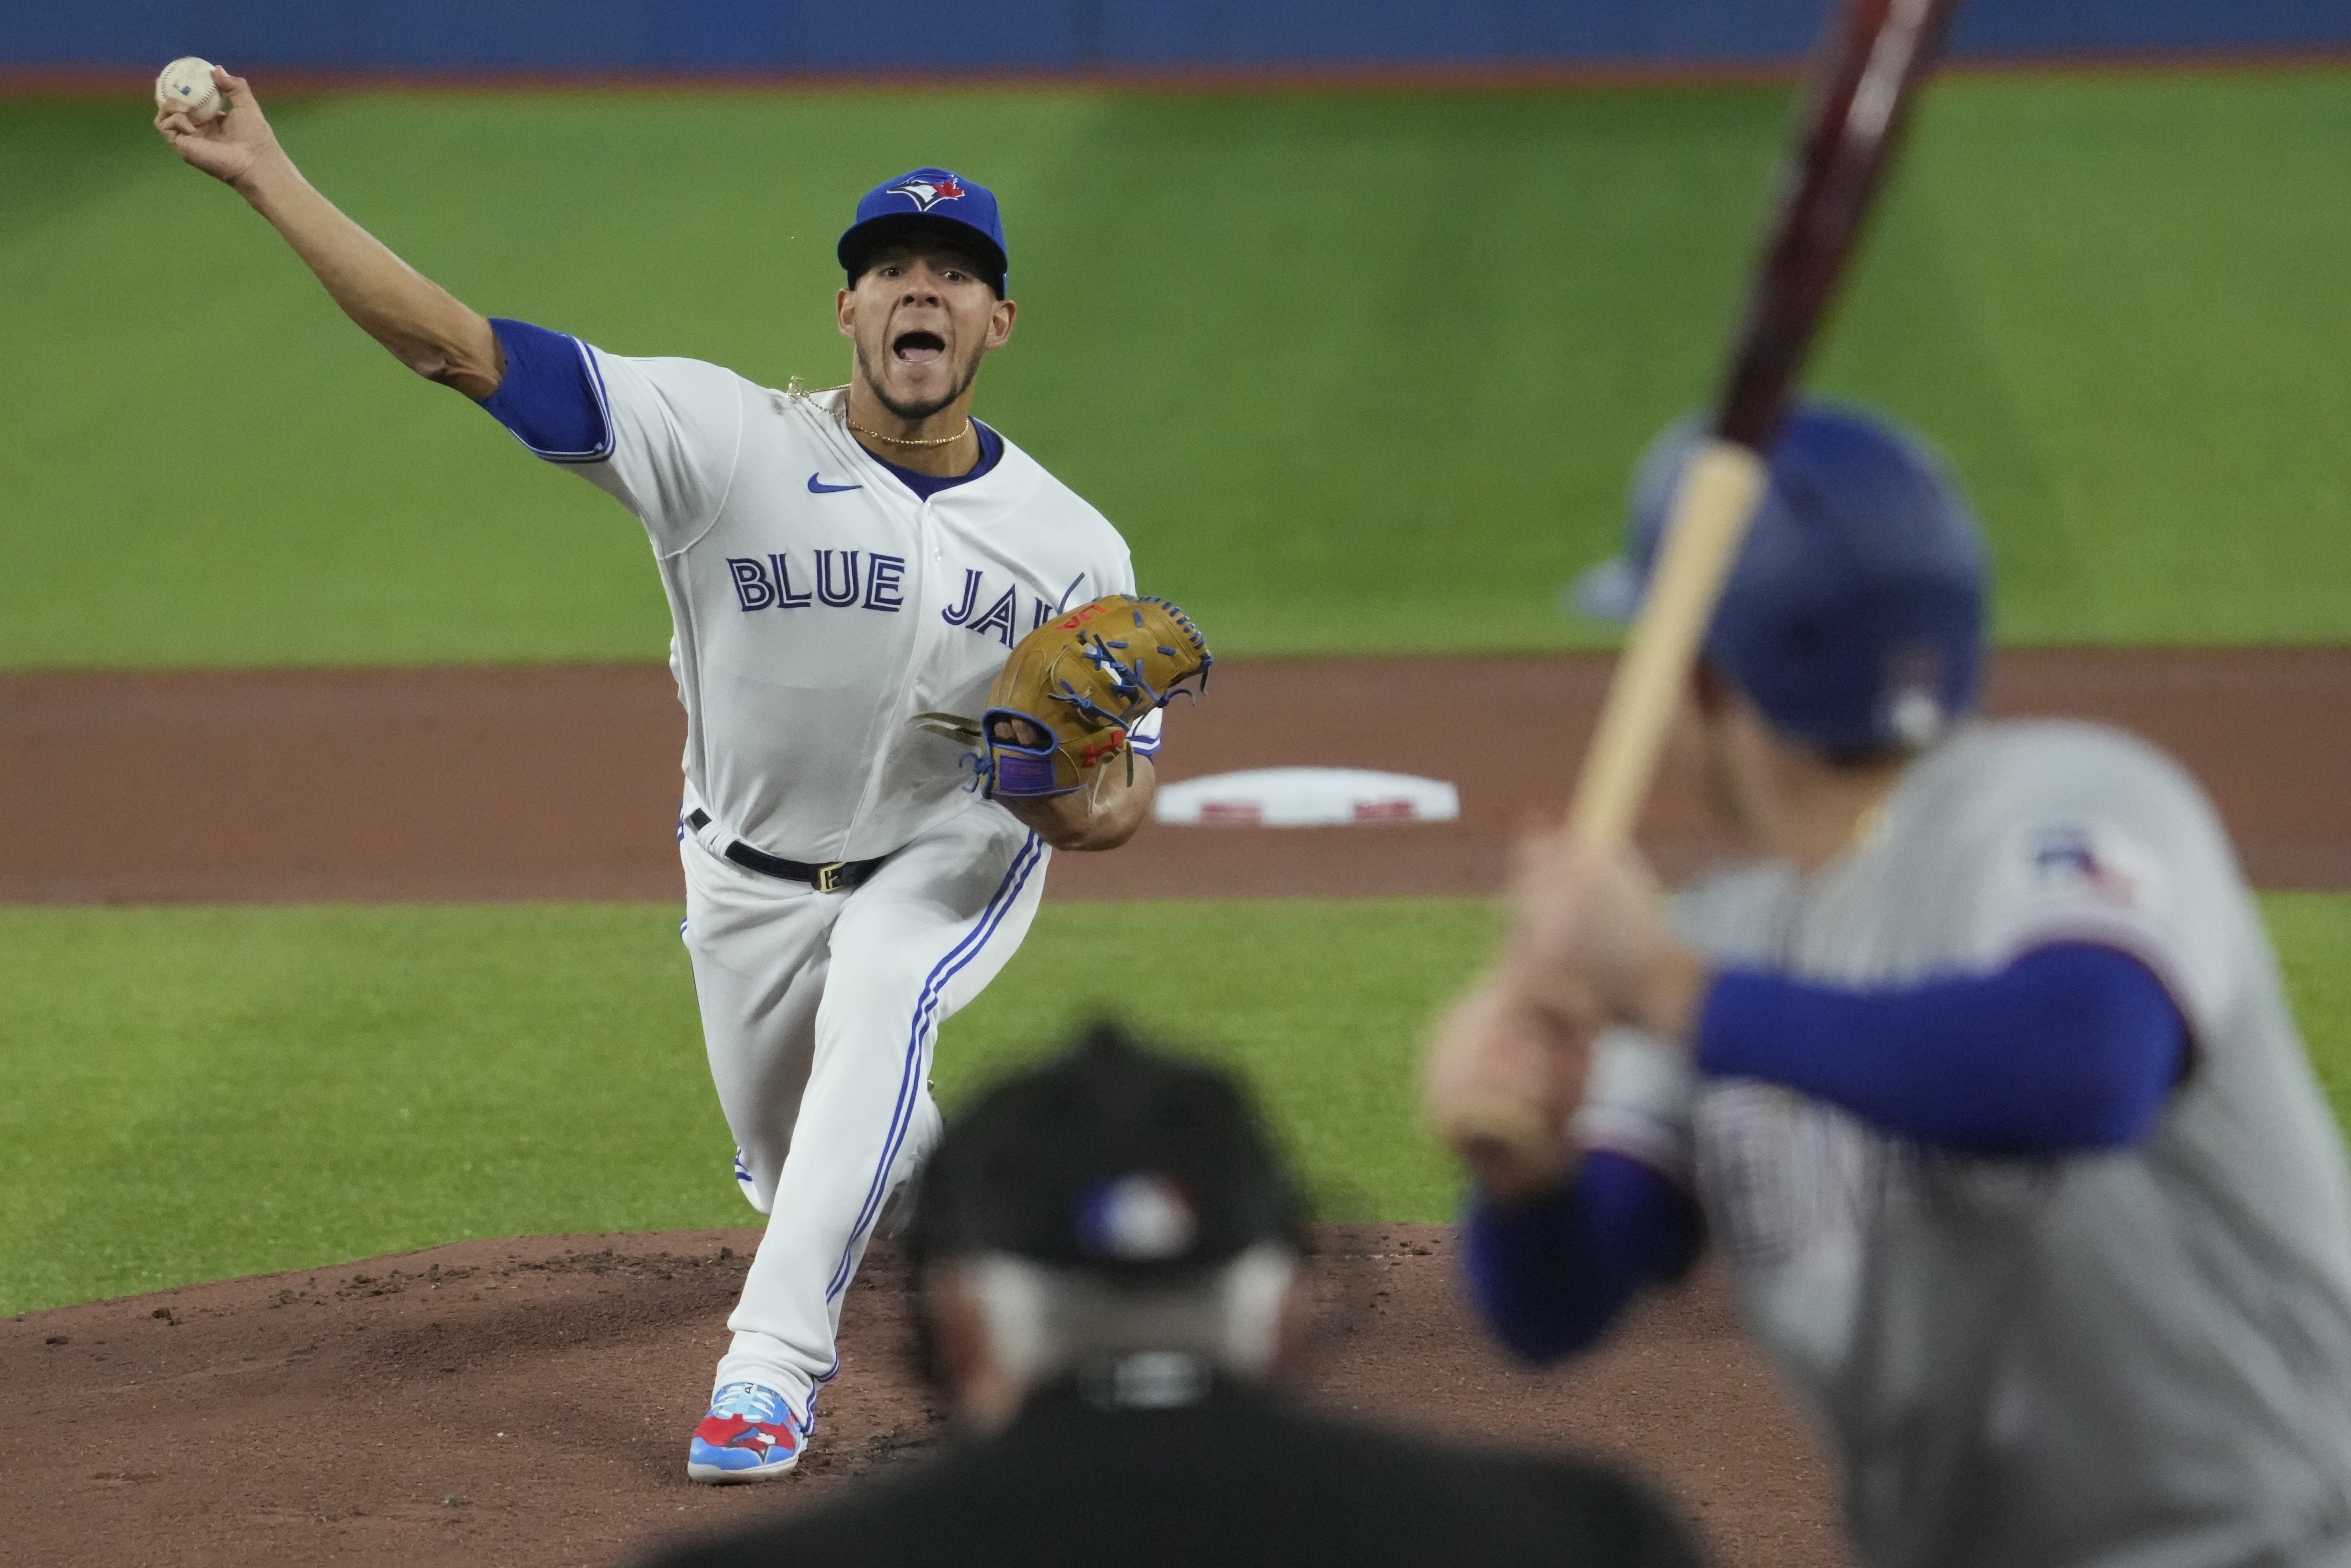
<point x="909" y="947"/>
<point x="759" y="957"/>
<point x="759" y="952"/>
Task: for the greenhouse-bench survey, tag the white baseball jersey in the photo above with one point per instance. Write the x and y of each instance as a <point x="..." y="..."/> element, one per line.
<point x="822" y="605"/>
<point x="2137" y="1357"/>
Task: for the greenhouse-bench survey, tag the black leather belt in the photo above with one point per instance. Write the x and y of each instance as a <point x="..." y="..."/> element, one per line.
<point x="836" y="876"/>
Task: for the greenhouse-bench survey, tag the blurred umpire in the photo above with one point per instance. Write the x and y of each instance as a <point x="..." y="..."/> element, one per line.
<point x="1107" y="1252"/>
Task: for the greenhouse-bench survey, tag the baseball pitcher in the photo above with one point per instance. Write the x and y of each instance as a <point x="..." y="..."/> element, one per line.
<point x="871" y="793"/>
<point x="1979" y="1076"/>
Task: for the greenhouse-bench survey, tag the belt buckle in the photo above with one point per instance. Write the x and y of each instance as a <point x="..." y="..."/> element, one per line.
<point x="828" y="877"/>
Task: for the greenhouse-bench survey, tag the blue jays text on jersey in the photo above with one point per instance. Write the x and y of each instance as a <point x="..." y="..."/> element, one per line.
<point x="823" y="606"/>
<point x="870" y="579"/>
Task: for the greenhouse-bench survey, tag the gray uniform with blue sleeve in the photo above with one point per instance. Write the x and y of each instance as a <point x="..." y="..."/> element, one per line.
<point x="2134" y="1358"/>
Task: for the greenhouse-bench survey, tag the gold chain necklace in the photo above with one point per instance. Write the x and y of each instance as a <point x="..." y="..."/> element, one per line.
<point x="910" y="440"/>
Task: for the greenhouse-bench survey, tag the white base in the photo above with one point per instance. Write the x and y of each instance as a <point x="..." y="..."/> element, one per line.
<point x="1306" y="797"/>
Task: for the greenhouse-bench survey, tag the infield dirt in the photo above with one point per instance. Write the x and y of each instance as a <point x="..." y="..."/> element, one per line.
<point x="563" y="782"/>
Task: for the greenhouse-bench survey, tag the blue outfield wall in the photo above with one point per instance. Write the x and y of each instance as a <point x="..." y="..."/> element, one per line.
<point x="1049" y="35"/>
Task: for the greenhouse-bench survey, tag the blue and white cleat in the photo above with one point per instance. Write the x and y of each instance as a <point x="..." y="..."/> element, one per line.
<point x="750" y="1435"/>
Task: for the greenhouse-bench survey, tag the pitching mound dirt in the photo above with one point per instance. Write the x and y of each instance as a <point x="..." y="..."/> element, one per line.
<point x="527" y="1403"/>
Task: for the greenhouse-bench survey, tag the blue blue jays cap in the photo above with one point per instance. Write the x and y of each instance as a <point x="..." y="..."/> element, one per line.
<point x="1855" y="616"/>
<point x="936" y="201"/>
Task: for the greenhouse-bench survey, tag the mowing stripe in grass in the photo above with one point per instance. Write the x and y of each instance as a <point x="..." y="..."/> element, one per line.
<point x="195" y="1094"/>
<point x="1355" y="372"/>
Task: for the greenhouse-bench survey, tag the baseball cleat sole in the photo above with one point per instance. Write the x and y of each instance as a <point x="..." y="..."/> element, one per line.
<point x="720" y="1475"/>
<point x="715" y="1465"/>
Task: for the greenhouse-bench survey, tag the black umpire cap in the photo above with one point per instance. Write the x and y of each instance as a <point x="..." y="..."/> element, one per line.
<point x="1110" y="1157"/>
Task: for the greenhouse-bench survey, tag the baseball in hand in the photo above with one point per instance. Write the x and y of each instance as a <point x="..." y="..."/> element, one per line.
<point x="186" y="84"/>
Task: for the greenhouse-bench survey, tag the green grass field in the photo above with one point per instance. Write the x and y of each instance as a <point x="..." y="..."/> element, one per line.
<point x="190" y="1094"/>
<point x="1355" y="372"/>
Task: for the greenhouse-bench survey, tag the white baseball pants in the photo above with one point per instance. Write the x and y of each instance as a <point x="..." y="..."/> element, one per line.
<point x="820" y="1011"/>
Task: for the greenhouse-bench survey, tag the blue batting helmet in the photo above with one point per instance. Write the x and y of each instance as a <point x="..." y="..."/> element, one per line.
<point x="1855" y="616"/>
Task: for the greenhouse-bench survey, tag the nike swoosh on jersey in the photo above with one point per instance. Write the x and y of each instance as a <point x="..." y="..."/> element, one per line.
<point x="817" y="487"/>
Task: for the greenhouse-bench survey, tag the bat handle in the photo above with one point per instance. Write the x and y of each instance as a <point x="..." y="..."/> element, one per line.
<point x="1712" y="507"/>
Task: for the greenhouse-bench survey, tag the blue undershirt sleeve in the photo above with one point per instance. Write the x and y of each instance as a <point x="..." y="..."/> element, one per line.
<point x="2070" y="1047"/>
<point x="548" y="396"/>
<point x="1550" y="1276"/>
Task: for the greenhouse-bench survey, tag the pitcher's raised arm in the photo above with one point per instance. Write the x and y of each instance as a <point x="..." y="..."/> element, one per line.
<point x="426" y="328"/>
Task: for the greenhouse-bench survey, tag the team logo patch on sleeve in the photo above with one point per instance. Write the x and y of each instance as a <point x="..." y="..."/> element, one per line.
<point x="927" y="193"/>
<point x="2076" y="856"/>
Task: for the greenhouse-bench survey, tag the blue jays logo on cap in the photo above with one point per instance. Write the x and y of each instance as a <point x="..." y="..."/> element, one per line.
<point x="937" y="201"/>
<point x="924" y="191"/>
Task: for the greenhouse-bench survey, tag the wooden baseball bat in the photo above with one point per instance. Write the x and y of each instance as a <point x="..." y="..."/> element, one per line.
<point x="1865" y="74"/>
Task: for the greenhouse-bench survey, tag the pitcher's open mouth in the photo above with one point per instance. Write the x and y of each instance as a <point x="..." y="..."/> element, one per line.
<point x="913" y="348"/>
